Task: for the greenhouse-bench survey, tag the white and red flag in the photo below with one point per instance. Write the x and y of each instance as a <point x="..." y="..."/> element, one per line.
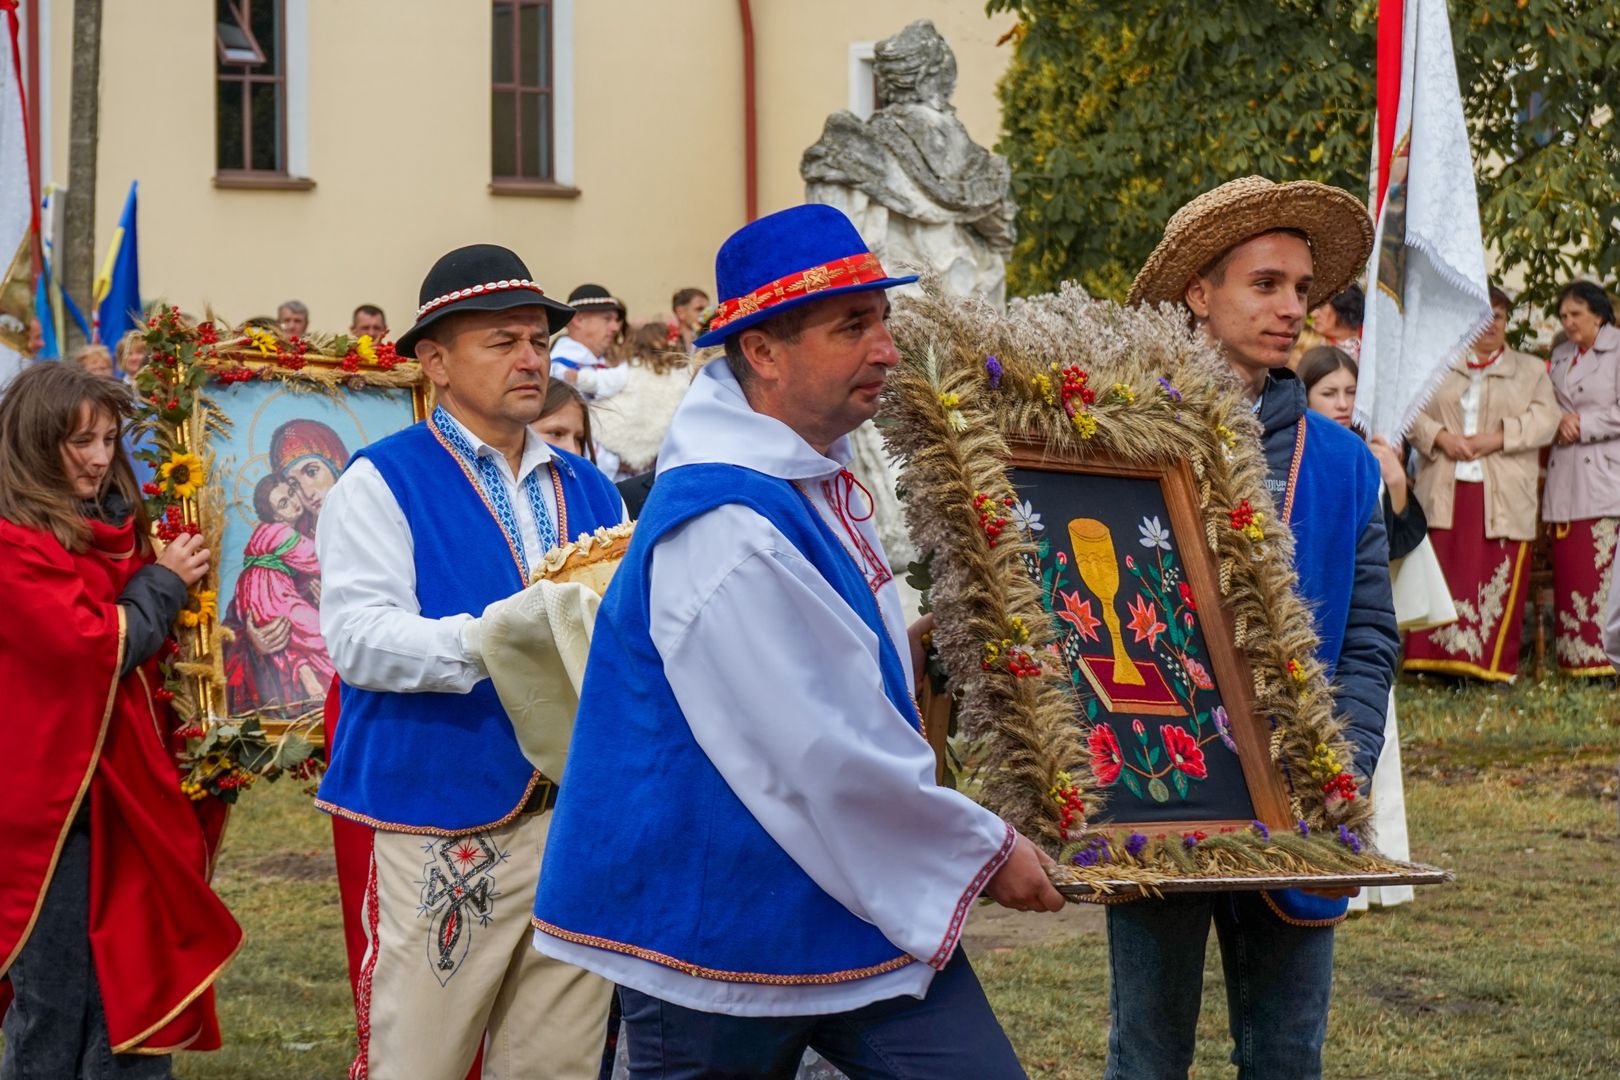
<point x="1426" y="283"/>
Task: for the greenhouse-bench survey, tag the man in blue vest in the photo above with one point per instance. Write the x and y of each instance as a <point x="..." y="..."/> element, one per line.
<point x="749" y="839"/>
<point x="1247" y="261"/>
<point x="425" y="532"/>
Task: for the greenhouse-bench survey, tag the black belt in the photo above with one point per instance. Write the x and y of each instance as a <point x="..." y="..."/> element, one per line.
<point x="542" y="798"/>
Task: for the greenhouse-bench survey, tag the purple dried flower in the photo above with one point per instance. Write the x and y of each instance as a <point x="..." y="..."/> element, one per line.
<point x="993" y="366"/>
<point x="1349" y="840"/>
<point x="1223" y="726"/>
<point x="1169" y="391"/>
<point x="1304" y="829"/>
<point x="1093" y="853"/>
<point x="1134" y="844"/>
<point x="1190" y="840"/>
<point x="1260" y="827"/>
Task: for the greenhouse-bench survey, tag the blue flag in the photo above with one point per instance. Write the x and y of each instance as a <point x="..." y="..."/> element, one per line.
<point x="117" y="290"/>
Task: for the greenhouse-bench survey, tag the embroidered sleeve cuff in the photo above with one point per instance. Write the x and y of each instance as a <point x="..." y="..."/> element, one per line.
<point x="953" y="932"/>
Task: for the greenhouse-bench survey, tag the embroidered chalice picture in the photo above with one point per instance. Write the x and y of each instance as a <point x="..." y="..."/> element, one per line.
<point x="1131" y="640"/>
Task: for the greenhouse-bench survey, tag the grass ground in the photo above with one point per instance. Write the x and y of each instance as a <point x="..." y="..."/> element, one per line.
<point x="1510" y="972"/>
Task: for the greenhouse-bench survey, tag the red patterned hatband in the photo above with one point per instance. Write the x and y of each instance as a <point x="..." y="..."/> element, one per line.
<point x="840" y="273"/>
<point x="478" y="290"/>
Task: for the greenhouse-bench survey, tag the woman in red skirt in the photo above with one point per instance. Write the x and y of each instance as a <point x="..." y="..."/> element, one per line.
<point x="1582" y="501"/>
<point x="1478" y="441"/>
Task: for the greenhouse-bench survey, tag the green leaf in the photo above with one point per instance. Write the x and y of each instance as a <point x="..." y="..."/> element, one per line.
<point x="293" y="750"/>
<point x="1091" y="704"/>
<point x="1153" y="757"/>
<point x="1132" y="782"/>
<point x="1180" y="780"/>
<point x="1157" y="789"/>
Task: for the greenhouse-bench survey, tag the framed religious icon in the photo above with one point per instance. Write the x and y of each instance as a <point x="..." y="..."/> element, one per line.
<point x="1116" y="610"/>
<point x="242" y="434"/>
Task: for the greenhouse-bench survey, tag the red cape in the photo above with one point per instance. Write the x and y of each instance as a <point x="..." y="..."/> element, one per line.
<point x="158" y="934"/>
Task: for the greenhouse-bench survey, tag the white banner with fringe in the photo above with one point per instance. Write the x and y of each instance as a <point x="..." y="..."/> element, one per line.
<point x="1426" y="296"/>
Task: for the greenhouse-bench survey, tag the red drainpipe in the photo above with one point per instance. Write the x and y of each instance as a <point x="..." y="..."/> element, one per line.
<point x="750" y="123"/>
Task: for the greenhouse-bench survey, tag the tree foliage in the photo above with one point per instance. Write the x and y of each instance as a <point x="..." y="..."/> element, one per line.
<point x="1116" y="113"/>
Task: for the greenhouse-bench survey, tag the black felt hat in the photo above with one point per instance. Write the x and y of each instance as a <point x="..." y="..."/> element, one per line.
<point x="479" y="277"/>
<point x="595" y="298"/>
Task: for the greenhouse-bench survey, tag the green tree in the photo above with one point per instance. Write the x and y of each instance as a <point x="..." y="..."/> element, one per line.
<point x="1116" y="113"/>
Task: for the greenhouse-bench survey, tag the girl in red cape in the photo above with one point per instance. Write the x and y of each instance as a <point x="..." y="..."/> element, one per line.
<point x="110" y="937"/>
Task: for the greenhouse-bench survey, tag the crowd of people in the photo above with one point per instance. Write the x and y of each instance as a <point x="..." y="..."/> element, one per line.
<point x="747" y="855"/>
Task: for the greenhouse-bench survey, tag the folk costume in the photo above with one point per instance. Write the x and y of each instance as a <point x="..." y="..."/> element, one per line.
<point x="426" y="530"/>
<point x="1482" y="513"/>
<point x="1581" y="503"/>
<point x="109" y="933"/>
<point x="1276" y="946"/>
<point x="593" y="377"/>
<point x="749" y="839"/>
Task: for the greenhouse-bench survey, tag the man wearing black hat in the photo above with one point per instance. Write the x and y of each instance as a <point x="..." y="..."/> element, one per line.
<point x="426" y="532"/>
<point x="580" y="355"/>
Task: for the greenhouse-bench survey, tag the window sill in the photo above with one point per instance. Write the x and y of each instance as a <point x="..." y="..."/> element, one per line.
<point x="534" y="189"/>
<point x="262" y="182"/>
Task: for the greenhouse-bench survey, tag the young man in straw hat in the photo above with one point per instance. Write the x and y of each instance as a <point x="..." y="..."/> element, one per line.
<point x="749" y="839"/>
<point x="428" y="532"/>
<point x="1248" y="260"/>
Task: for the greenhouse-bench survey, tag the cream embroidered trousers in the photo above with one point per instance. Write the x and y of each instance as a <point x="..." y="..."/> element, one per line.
<point x="449" y="965"/>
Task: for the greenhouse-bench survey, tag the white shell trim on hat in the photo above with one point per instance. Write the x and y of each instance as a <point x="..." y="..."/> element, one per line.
<point x="477" y="290"/>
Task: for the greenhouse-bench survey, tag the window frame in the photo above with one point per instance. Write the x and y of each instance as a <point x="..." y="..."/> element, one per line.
<point x="245" y="77"/>
<point x="555" y="94"/>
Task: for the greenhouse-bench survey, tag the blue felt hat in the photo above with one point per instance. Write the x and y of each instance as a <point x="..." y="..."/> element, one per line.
<point x="787" y="259"/>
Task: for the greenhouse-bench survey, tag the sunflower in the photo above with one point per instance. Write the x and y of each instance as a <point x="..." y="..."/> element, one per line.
<point x="183" y="474"/>
<point x="202" y="606"/>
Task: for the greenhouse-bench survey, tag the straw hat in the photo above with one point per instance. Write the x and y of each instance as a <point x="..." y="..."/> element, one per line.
<point x="1333" y="221"/>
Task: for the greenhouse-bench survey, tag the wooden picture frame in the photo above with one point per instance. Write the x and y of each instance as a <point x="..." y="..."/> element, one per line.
<point x="215" y="406"/>
<point x="1164" y="701"/>
<point x="301" y="427"/>
<point x="1083" y="410"/>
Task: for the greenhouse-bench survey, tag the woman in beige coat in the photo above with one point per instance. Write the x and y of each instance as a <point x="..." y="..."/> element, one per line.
<point x="1582" y="501"/>
<point x="1477" y="442"/>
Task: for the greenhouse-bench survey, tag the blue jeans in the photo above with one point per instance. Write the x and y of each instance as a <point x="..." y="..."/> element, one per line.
<point x="950" y="1033"/>
<point x="55" y="1028"/>
<point x="1278" y="982"/>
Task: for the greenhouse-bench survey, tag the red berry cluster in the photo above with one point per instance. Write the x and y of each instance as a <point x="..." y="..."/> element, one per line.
<point x="1074" y="386"/>
<point x="206" y="334"/>
<point x="1070" y="807"/>
<point x="163" y="694"/>
<point x="350" y="361"/>
<point x="227" y="376"/>
<point x="307" y="769"/>
<point x="1343" y="785"/>
<point x="387" y="358"/>
<point x="991" y="517"/>
<point x="172" y="525"/>
<point x="191" y="731"/>
<point x="231" y="781"/>
<point x="1022" y="665"/>
<point x="1242" y="515"/>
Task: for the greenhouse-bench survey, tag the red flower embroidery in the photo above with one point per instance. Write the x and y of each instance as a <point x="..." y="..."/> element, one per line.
<point x="1187" y="596"/>
<point x="1145" y="621"/>
<point x="1106" y="759"/>
<point x="1077" y="613"/>
<point x="1184" y="751"/>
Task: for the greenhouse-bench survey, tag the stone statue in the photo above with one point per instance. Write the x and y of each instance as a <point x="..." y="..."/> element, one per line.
<point x="922" y="193"/>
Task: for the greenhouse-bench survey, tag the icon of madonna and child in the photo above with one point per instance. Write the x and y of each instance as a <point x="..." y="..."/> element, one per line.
<point x="276" y="659"/>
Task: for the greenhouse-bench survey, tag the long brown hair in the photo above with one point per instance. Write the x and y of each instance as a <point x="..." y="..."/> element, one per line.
<point x="560" y="395"/>
<point x="650" y="347"/>
<point x="39" y="412"/>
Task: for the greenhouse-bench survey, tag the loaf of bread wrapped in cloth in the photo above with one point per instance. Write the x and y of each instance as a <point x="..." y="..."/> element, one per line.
<point x="534" y="644"/>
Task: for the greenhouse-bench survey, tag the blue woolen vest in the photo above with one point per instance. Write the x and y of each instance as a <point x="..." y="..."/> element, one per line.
<point x="446" y="763"/>
<point x="1334" y="499"/>
<point x="1335" y="495"/>
<point x="641" y="803"/>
